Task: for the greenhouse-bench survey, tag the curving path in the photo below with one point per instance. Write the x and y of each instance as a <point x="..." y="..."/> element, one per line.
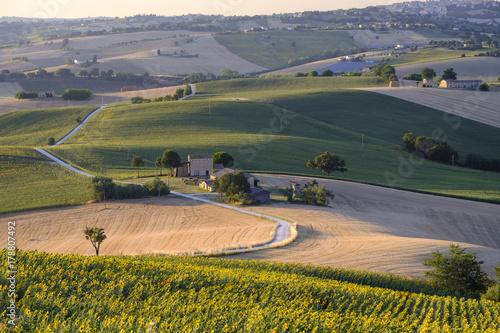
<point x="77" y="128"/>
<point x="283" y="233"/>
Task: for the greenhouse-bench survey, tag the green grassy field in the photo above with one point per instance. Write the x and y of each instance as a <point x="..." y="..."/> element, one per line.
<point x="316" y="121"/>
<point x="258" y="87"/>
<point x="428" y="55"/>
<point x="273" y="49"/>
<point x="34" y="127"/>
<point x="60" y="85"/>
<point x="242" y="117"/>
<point x="31" y="181"/>
<point x="180" y="294"/>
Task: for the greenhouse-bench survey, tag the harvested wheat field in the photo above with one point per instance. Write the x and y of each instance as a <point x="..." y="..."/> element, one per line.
<point x="368" y="37"/>
<point x="164" y="226"/>
<point x="475" y="105"/>
<point x="11" y="104"/>
<point x="383" y="230"/>
<point x="467" y="68"/>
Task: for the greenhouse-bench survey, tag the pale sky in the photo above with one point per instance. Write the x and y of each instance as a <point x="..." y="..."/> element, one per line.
<point x="121" y="8"/>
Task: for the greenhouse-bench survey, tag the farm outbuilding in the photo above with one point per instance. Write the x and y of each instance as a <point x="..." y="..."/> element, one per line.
<point x="460" y="83"/>
<point x="207" y="185"/>
<point x="261" y="195"/>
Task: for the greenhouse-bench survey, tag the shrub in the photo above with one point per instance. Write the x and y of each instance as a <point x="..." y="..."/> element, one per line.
<point x="76" y="94"/>
<point x="457" y="271"/>
<point x="25" y="95"/>
<point x="155" y="185"/>
<point x="484" y="87"/>
<point x="137" y="99"/>
<point x="493" y="293"/>
<point x="51" y="141"/>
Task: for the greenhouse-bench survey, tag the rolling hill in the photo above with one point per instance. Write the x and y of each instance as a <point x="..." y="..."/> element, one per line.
<point x="243" y="118"/>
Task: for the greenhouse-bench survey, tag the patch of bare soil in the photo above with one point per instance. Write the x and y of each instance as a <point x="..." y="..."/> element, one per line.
<point x="384" y="230"/>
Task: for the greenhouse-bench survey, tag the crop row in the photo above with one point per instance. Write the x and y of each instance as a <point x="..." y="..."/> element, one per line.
<point x="134" y="294"/>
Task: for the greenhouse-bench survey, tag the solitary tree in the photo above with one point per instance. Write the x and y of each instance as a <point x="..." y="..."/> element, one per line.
<point x="223" y="158"/>
<point x="449" y="74"/>
<point x="159" y="165"/>
<point x="427" y="73"/>
<point x="457" y="271"/>
<point x="51" y="141"/>
<point x="96" y="237"/>
<point x="170" y="160"/>
<point x="137" y="162"/>
<point x="312" y="73"/>
<point x="327" y="163"/>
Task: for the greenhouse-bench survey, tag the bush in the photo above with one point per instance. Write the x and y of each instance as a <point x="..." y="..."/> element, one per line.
<point x="484" y="87"/>
<point x="25" y="95"/>
<point x="458" y="271"/>
<point x="137" y="99"/>
<point x="51" y="141"/>
<point x="315" y="194"/>
<point x="76" y="94"/>
<point x="493" y="293"/>
<point x="156" y="184"/>
<point x="103" y="188"/>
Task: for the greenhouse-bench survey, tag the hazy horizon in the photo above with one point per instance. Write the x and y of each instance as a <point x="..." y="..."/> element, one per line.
<point x="114" y="8"/>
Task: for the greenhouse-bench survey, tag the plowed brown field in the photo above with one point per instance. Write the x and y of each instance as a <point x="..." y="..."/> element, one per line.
<point x="167" y="226"/>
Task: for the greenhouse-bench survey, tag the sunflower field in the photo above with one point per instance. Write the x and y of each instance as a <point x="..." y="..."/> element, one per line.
<point x="73" y="293"/>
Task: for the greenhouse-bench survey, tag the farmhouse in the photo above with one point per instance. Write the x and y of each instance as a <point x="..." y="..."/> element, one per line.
<point x="46" y="93"/>
<point x="197" y="165"/>
<point x="460" y="83"/>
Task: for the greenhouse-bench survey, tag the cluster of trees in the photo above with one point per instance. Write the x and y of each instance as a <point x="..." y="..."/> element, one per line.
<point x="20" y="58"/>
<point x="235" y="187"/>
<point x="386" y="72"/>
<point x="25" y="95"/>
<point x="76" y="94"/>
<point x="461" y="272"/>
<point x="430" y="148"/>
<point x="103" y="188"/>
<point x="311" y="194"/>
<point x="494" y="53"/>
<point x="476" y="161"/>
<point x="437" y="150"/>
<point x="223" y="158"/>
<point x="326" y="72"/>
<point x="429" y="74"/>
<point x="179" y="93"/>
